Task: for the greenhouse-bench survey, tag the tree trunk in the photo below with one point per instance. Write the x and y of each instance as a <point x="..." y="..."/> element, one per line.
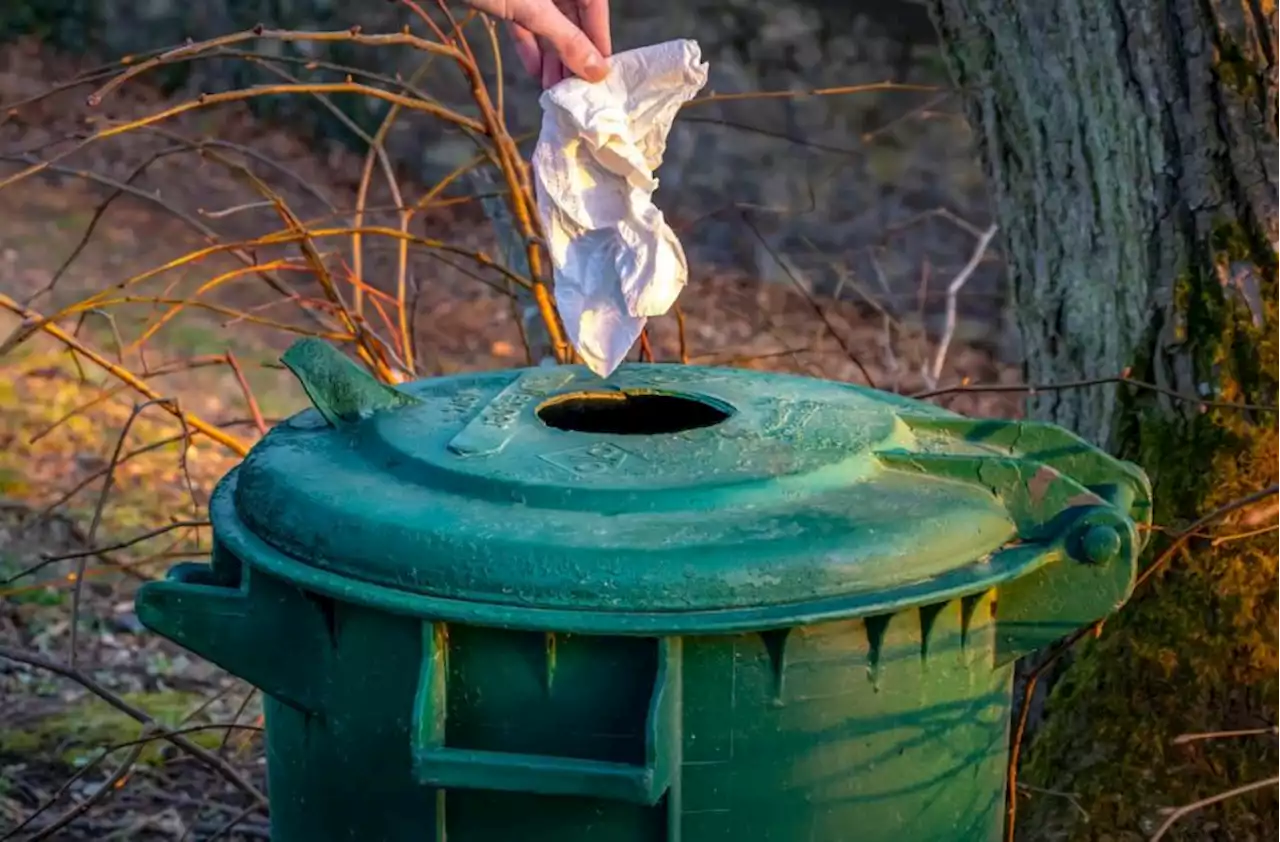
<point x="1131" y="148"/>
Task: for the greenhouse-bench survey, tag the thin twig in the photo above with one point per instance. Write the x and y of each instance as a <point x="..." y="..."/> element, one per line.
<point x="111" y="323"/>
<point x="50" y="510"/>
<point x="233" y="210"/>
<point x="131" y="566"/>
<point x="137" y="539"/>
<point x="155" y="324"/>
<point x="96" y="74"/>
<point x="188" y="51"/>
<point x="1072" y="798"/>
<point x="239" y="251"/>
<point x="88" y="480"/>
<point x="1241" y="536"/>
<point x="98" y="213"/>
<point x="62" y="790"/>
<point x="1037" y="388"/>
<point x="499" y="95"/>
<point x="943" y="213"/>
<point x="680" y="334"/>
<point x="1183" y="739"/>
<point x="82" y="558"/>
<point x="160" y="371"/>
<point x="235" y="719"/>
<point x="377" y="151"/>
<point x="1186" y="809"/>
<point x="249" y="398"/>
<point x="139" y="744"/>
<point x="206" y="757"/>
<point x="207" y="100"/>
<point x="720" y="358"/>
<point x="1190" y="532"/>
<point x="225" y="439"/>
<point x="107" y="788"/>
<point x="646" y="350"/>
<point x="812" y="302"/>
<point x="47" y="561"/>
<point x="231" y="824"/>
<point x="953" y="289"/>
<point x="840" y="91"/>
<point x="920" y="110"/>
<point x="1015" y="745"/>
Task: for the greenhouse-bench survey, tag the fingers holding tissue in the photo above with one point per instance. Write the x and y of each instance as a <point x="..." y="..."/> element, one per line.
<point x="616" y="260"/>
<point x="555" y="38"/>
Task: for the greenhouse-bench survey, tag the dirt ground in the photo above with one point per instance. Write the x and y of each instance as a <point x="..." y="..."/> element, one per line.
<point x="65" y="766"/>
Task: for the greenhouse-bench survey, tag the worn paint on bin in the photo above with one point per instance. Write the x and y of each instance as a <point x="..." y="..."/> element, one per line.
<point x="682" y="603"/>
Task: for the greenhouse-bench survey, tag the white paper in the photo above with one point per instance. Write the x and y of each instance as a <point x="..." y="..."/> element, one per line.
<point x="616" y="261"/>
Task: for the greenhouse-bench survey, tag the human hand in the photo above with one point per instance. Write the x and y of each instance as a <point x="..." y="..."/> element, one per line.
<point x="556" y="38"/>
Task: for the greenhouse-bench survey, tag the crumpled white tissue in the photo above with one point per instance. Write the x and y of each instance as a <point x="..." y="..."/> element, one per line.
<point x="616" y="261"/>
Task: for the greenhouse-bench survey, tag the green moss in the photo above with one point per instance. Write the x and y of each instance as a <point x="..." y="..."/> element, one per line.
<point x="1235" y="69"/>
<point x="1230" y="241"/>
<point x="50" y="596"/>
<point x="1196" y="650"/>
<point x="80" y="731"/>
<point x="12" y="482"/>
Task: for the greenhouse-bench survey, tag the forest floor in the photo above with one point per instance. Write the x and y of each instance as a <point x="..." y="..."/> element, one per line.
<point x="66" y="769"/>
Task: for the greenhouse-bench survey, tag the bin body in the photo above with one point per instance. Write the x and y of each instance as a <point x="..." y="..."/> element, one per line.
<point x="791" y="738"/>
<point x="545" y="645"/>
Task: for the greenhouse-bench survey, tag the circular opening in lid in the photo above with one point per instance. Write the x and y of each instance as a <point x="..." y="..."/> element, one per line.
<point x="629" y="413"/>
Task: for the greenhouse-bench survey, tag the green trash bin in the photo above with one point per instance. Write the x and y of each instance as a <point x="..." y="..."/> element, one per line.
<point x="682" y="603"/>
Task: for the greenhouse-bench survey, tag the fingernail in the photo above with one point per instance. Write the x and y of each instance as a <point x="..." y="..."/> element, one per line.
<point x="595" y="67"/>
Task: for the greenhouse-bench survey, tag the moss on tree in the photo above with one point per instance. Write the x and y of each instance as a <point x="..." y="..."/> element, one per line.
<point x="1161" y="196"/>
<point x="1196" y="651"/>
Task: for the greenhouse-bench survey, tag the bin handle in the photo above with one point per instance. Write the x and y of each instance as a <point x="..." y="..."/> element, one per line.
<point x="436" y="765"/>
<point x="341" y="391"/>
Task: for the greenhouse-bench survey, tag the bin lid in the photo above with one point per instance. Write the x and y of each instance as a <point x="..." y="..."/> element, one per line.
<point x="665" y="488"/>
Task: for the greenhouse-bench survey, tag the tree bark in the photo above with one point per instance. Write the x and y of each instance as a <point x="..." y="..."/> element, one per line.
<point x="1131" y="149"/>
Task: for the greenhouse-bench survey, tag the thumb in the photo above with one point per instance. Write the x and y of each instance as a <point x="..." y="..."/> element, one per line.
<point x="542" y="18"/>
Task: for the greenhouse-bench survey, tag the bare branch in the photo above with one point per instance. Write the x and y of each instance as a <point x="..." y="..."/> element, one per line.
<point x="188" y="51"/>
<point x="813" y="304"/>
<point x="1036" y="388"/>
<point x="1183" y="739"/>
<point x="207" y="758"/>
<point x="839" y="91"/>
<point x="953" y="289"/>
<point x="97" y="520"/>
<point x="249" y="398"/>
<point x="1185" y="810"/>
<point x="106" y="789"/>
<point x="212" y="432"/>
